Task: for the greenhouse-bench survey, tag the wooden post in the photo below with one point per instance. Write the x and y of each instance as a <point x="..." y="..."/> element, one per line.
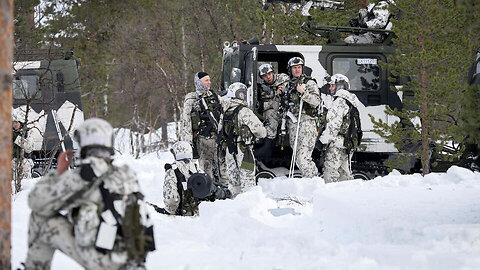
<point x="6" y="60"/>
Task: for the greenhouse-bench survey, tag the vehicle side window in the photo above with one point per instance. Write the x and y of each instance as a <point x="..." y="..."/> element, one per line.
<point x="26" y="86"/>
<point x="363" y="73"/>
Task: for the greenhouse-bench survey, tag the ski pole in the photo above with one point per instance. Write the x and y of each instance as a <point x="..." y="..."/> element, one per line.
<point x="294" y="155"/>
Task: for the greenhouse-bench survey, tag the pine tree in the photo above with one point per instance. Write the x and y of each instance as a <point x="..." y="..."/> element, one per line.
<point x="432" y="53"/>
<point x="470" y="118"/>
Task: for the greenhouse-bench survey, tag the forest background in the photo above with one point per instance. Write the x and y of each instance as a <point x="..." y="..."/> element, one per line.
<point x="138" y="57"/>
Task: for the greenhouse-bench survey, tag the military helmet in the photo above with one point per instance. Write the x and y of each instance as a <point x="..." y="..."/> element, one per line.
<point x="95" y="133"/>
<point x="341" y="81"/>
<point x="265" y="69"/>
<point x="237" y="90"/>
<point x="18" y="115"/>
<point x="295" y="61"/>
<point x="182" y="150"/>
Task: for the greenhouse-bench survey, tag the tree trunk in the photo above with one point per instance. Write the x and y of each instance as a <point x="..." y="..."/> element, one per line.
<point x="185" y="80"/>
<point x="6" y="60"/>
<point x="424" y="115"/>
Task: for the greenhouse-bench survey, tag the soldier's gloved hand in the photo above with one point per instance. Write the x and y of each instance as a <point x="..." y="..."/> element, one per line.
<point x="223" y="193"/>
<point x="63" y="161"/>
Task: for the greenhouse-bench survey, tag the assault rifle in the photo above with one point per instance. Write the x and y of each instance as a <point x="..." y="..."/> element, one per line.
<point x="285" y="106"/>
<point x="211" y="117"/>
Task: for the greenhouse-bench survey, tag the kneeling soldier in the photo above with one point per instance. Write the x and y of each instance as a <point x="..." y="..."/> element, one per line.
<point x="104" y="223"/>
<point x="186" y="185"/>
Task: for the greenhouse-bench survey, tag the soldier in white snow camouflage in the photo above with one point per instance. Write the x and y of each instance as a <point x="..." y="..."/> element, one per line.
<point x="81" y="194"/>
<point x="22" y="145"/>
<point x="178" y="197"/>
<point x="307" y="91"/>
<point x="240" y="128"/>
<point x="180" y="201"/>
<point x="374" y="16"/>
<point x="200" y="117"/>
<point x="269" y="99"/>
<point x="337" y="159"/>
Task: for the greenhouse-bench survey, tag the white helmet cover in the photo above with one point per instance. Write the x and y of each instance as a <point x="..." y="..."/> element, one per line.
<point x="295" y="61"/>
<point x="237" y="90"/>
<point x="182" y="150"/>
<point x="264" y="69"/>
<point x="95" y="132"/>
<point x="340" y="79"/>
<point x="18" y="115"/>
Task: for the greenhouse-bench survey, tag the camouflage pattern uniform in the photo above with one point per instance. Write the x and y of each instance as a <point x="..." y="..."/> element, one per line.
<point x="75" y="233"/>
<point x="191" y="131"/>
<point x="22" y="146"/>
<point x="240" y="178"/>
<point x="171" y="194"/>
<point x="271" y="103"/>
<point x="307" y="134"/>
<point x="379" y="20"/>
<point x="337" y="160"/>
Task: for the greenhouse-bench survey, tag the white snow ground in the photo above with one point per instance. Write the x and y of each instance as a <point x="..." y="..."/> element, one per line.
<point x="391" y="222"/>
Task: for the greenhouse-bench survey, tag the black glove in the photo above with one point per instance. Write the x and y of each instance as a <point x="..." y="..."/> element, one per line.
<point x="223" y="193"/>
<point x="86" y="172"/>
<point x="354" y="22"/>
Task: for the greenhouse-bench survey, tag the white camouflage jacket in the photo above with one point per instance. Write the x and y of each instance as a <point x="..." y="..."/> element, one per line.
<point x="271" y="99"/>
<point x="192" y="101"/>
<point x="246" y="117"/>
<point x="67" y="191"/>
<point x="335" y="117"/>
<point x="171" y="195"/>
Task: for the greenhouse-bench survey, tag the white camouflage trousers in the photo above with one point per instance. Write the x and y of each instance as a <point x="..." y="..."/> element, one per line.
<point x="45" y="235"/>
<point x="273" y="119"/>
<point x="337" y="165"/>
<point x="307" y="136"/>
<point x="24" y="168"/>
<point x="240" y="179"/>
<point x="207" y="150"/>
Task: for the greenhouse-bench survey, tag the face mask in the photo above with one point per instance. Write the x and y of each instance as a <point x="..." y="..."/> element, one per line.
<point x="200" y="88"/>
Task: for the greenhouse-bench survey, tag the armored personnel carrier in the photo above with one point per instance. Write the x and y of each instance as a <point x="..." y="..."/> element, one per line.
<point x="47" y="94"/>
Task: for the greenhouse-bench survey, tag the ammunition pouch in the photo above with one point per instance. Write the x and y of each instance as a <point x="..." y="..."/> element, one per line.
<point x="248" y="162"/>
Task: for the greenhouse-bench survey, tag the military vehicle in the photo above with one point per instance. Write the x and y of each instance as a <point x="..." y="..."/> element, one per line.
<point x="359" y="62"/>
<point x="368" y="81"/>
<point x="47" y="94"/>
<point x="474" y="74"/>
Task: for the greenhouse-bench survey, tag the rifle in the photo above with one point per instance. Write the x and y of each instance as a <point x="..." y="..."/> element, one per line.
<point x="211" y="117"/>
<point x="285" y="105"/>
<point x="158" y="209"/>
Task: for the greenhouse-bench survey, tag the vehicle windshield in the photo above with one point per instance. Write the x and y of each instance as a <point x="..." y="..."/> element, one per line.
<point x="26" y="86"/>
<point x="231" y="73"/>
<point x="248" y="69"/>
<point x="363" y="73"/>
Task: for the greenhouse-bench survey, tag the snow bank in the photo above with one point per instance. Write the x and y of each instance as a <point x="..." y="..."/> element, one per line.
<point x="391" y="222"/>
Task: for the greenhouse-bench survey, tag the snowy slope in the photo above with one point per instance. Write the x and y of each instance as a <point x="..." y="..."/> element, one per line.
<point x="391" y="222"/>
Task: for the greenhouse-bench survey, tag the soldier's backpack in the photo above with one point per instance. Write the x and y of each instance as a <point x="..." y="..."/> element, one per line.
<point x="354" y="133"/>
<point x="230" y="130"/>
<point x="133" y="227"/>
<point x="229" y="135"/>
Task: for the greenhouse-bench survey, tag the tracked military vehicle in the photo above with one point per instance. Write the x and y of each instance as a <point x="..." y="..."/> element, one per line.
<point x="361" y="63"/>
<point x="47" y="94"/>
